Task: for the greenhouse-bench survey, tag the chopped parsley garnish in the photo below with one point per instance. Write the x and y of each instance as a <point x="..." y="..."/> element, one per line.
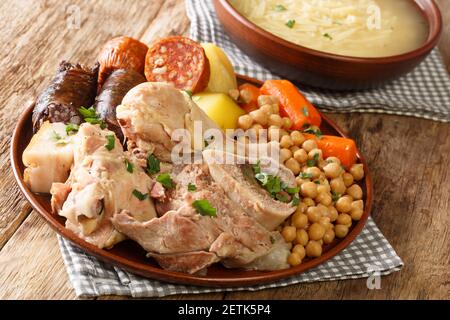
<point x="257" y="167"/>
<point x="292" y="190"/>
<point x="315" y="132"/>
<point x="189" y="93"/>
<point x="192" y="187"/>
<point x="57" y="137"/>
<point x="129" y="166"/>
<point x="279" y="8"/>
<point x="153" y="165"/>
<point x="271" y="183"/>
<point x="313" y="162"/>
<point x="165" y="180"/>
<point x="305" y="175"/>
<point x="139" y="195"/>
<point x="327" y="35"/>
<point x="71" y="128"/>
<point x="90" y="115"/>
<point x="290" y="23"/>
<point x="335" y="196"/>
<point x="282" y="197"/>
<point x="204" y="208"/>
<point x="317" y="181"/>
<point x="305" y="111"/>
<point x="295" y="201"/>
<point x="111" y="142"/>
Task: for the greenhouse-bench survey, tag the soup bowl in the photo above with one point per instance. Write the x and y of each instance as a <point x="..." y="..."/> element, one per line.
<point x="321" y="69"/>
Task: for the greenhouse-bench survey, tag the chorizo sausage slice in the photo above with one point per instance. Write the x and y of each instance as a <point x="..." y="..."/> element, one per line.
<point x="121" y="53"/>
<point x="115" y="88"/>
<point x="74" y="86"/>
<point x="180" y="61"/>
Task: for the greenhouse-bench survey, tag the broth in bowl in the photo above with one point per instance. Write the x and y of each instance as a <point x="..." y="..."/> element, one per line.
<point x="356" y="28"/>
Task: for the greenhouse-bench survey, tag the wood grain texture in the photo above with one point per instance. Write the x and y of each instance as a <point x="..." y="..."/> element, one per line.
<point x="408" y="157"/>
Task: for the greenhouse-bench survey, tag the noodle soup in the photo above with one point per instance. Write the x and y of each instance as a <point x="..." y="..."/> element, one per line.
<point x="358" y="28"/>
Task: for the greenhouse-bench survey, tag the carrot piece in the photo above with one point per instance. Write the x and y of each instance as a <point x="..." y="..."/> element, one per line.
<point x="292" y="103"/>
<point x="251" y="97"/>
<point x="342" y="148"/>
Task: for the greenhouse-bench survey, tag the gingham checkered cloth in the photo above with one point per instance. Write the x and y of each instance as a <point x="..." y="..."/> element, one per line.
<point x="369" y="254"/>
<point x="423" y="93"/>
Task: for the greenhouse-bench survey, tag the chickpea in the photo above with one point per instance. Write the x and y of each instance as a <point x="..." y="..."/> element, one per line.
<point x="344" y="204"/>
<point x="273" y="133"/>
<point x="348" y="179"/>
<point x="337" y="185"/>
<point x="276" y="108"/>
<point x="302" y="237"/>
<point x="259" y="116"/>
<point x="326" y="223"/>
<point x="300" y="250"/>
<point x="313" y="171"/>
<point x="323" y="198"/>
<point x="341" y="231"/>
<point x="299" y="220"/>
<point x="301" y="208"/>
<point x="266" y="99"/>
<point x="357" y="210"/>
<point x="321" y="164"/>
<point x="286" y="142"/>
<point x="309" y="145"/>
<point x="267" y="109"/>
<point x="285" y="154"/>
<point x="283" y="133"/>
<point x="323" y="210"/>
<point x="316" y="231"/>
<point x="301" y="181"/>
<point x="257" y="128"/>
<point x="344" y="219"/>
<point x="313" y="249"/>
<point x="245" y="122"/>
<point x="294" y="259"/>
<point x="309" y="189"/>
<point x="301" y="156"/>
<point x="324" y="188"/>
<point x="294" y="149"/>
<point x="246" y="95"/>
<point x="314" y="152"/>
<point x="328" y="237"/>
<point x="355" y="192"/>
<point x="293" y="165"/>
<point x="333" y="160"/>
<point x="313" y="214"/>
<point x="332" y="170"/>
<point x="289" y="233"/>
<point x="333" y="213"/>
<point x="297" y="138"/>
<point x="309" y="202"/>
<point x="275" y="120"/>
<point x="287" y="123"/>
<point x="357" y="171"/>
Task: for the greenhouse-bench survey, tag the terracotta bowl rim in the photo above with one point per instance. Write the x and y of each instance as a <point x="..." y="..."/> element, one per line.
<point x="431" y="42"/>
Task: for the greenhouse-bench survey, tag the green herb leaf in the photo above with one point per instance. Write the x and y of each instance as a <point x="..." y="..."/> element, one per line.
<point x="204" y="208"/>
<point x="290" y="23"/>
<point x="57" y="137"/>
<point x="305" y="175"/>
<point x="327" y="35"/>
<point x="335" y="196"/>
<point x="305" y="111"/>
<point x="139" y="195"/>
<point x="279" y="8"/>
<point x="282" y="197"/>
<point x="313" y="162"/>
<point x="316" y="132"/>
<point x="90" y="115"/>
<point x="257" y="167"/>
<point x="111" y="142"/>
<point x="295" y="201"/>
<point x="292" y="190"/>
<point x="71" y="128"/>
<point x="153" y="165"/>
<point x="189" y="93"/>
<point x="129" y="166"/>
<point x="192" y="187"/>
<point x="317" y="181"/>
<point x="165" y="180"/>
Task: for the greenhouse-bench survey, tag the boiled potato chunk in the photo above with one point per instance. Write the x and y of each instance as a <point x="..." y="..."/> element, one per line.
<point x="48" y="157"/>
<point x="220" y="108"/>
<point x="223" y="78"/>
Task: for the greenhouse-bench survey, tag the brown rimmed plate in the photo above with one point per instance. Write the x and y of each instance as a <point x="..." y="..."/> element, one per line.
<point x="130" y="256"/>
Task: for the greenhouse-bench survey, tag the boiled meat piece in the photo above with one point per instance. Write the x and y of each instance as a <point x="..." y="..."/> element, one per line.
<point x="240" y="185"/>
<point x="100" y="186"/>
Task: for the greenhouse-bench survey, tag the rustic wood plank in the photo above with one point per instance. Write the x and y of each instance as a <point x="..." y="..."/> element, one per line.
<point x="31" y="266"/>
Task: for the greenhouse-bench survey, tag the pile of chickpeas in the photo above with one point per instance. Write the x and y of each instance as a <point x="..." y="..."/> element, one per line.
<point x="330" y="197"/>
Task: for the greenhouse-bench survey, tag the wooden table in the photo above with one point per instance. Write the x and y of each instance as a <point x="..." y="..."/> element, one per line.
<point x="409" y="157"/>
